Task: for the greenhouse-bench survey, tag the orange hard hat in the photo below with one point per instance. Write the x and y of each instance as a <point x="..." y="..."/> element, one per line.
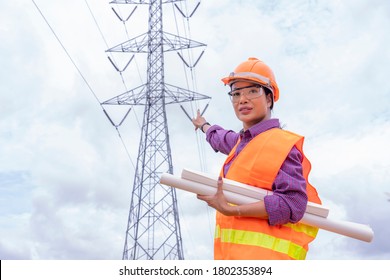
<point x="254" y="70"/>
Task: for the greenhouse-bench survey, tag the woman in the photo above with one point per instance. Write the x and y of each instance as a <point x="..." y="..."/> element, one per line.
<point x="265" y="156"/>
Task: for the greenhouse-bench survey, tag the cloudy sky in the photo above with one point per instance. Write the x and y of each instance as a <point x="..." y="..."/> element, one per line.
<point x="66" y="177"/>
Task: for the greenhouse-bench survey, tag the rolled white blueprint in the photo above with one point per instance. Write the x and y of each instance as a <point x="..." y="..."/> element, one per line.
<point x="246" y="190"/>
<point x="350" y="229"/>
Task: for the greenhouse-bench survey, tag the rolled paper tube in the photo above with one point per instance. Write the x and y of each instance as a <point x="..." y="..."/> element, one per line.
<point x="346" y="228"/>
<point x="350" y="229"/>
<point x="198" y="188"/>
<point x="247" y="190"/>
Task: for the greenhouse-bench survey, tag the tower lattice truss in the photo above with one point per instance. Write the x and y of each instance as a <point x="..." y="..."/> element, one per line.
<point x="153" y="230"/>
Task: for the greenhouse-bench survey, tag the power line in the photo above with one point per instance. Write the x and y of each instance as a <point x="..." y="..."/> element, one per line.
<point x="67" y="53"/>
<point x="82" y="76"/>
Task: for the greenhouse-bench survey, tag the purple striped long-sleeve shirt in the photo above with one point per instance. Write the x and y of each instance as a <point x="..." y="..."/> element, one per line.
<point x="289" y="199"/>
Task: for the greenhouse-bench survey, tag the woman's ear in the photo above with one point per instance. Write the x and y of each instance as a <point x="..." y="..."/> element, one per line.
<point x="270" y="100"/>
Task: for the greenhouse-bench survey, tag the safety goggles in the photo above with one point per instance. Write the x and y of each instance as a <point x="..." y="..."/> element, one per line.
<point x="250" y="92"/>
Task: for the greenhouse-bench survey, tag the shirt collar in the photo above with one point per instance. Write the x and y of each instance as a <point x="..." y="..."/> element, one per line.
<point x="260" y="127"/>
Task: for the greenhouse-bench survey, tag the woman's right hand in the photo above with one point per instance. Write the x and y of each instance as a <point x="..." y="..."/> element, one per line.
<point x="199" y="120"/>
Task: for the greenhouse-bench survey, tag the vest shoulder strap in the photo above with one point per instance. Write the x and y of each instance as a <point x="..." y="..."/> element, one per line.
<point x="262" y="157"/>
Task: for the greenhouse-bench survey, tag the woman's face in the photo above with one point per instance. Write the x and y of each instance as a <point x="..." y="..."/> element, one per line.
<point x="251" y="107"/>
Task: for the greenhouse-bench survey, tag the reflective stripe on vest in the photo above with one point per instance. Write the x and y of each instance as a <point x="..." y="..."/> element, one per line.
<point x="308" y="230"/>
<point x="257" y="165"/>
<point x="251" y="238"/>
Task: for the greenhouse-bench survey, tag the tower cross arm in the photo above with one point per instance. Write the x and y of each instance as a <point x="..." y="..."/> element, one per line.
<point x="171" y="42"/>
<point x="135" y="96"/>
<point x="175" y="94"/>
<point x="172" y="94"/>
<point x="137" y="44"/>
<point x="175" y="42"/>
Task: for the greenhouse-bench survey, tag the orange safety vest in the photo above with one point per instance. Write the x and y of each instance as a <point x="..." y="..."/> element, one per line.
<point x="253" y="238"/>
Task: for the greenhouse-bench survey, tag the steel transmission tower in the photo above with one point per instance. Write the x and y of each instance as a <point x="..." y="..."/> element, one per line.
<point x="153" y="230"/>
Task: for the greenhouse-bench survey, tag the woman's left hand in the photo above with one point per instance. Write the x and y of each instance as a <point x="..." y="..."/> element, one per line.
<point x="218" y="201"/>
